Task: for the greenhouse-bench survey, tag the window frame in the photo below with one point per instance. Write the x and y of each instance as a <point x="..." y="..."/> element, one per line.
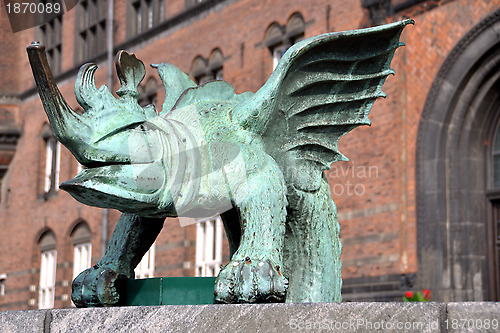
<point x="148" y="93"/>
<point x="209" y="246"/>
<point x="278" y="52"/>
<point x="50" y="35"/>
<point x="90" y="29"/>
<point x="206" y="70"/>
<point x="279" y="38"/>
<point x="193" y="3"/>
<point x="146" y="267"/>
<point x="51" y="162"/>
<point x="3" y="278"/>
<point x="494" y="151"/>
<point x="47" y="279"/>
<point x="141" y="11"/>
<point x="78" y="256"/>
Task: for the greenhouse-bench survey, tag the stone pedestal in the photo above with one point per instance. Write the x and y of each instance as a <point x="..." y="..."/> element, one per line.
<point x="318" y="317"/>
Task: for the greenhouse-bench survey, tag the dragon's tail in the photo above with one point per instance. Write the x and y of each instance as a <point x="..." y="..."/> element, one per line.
<point x="312" y="247"/>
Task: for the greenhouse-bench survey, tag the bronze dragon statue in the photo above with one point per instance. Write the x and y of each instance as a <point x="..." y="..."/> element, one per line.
<point x="257" y="159"/>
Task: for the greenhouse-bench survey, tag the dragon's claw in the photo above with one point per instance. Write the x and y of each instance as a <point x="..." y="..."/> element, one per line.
<point x="251" y="281"/>
<point x="96" y="286"/>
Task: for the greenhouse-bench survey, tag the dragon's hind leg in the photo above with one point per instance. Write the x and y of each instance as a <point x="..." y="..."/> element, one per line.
<point x="312" y="247"/>
<point x="254" y="273"/>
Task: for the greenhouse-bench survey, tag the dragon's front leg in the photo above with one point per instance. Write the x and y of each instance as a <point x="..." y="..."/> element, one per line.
<point x="132" y="237"/>
<point x="255" y="272"/>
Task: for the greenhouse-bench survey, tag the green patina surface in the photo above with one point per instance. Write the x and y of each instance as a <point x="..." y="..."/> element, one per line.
<point x="255" y="159"/>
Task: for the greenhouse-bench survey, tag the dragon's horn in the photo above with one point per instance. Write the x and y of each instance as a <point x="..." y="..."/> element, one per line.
<point x="131" y="72"/>
<point x="66" y="123"/>
<point x="100" y="134"/>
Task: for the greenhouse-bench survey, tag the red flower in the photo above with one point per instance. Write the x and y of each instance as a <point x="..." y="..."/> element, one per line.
<point x="408" y="294"/>
<point x="427" y="294"/>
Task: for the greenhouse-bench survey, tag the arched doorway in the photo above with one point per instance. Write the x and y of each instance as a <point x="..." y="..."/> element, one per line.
<point x="455" y="197"/>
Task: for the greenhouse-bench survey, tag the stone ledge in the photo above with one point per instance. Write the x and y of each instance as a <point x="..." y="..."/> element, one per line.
<point x="313" y="317"/>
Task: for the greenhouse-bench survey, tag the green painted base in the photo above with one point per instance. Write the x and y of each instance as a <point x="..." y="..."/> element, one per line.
<point x="170" y="291"/>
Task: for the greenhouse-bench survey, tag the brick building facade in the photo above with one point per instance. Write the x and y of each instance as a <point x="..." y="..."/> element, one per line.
<point x="417" y="202"/>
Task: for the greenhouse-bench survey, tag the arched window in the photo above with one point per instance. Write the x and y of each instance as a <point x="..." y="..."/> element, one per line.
<point x="276" y="43"/>
<point x="198" y="69"/>
<point x="280" y="37"/>
<point x="215" y="64"/>
<point x="205" y="70"/>
<point x="82" y="248"/>
<point x="51" y="161"/>
<point x="48" y="255"/>
<point x="148" y="93"/>
<point x="295" y="28"/>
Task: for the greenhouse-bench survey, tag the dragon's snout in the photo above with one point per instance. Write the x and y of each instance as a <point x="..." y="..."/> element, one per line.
<point x="113" y="138"/>
<point x="99" y="135"/>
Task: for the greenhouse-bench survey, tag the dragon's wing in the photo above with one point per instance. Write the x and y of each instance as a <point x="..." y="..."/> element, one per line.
<point x="323" y="87"/>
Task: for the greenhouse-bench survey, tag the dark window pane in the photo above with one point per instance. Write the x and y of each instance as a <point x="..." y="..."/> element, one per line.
<point x="496" y="170"/>
<point x="144" y="15"/>
<point x="496" y="144"/>
<point x="92" y="27"/>
<point x="49" y="35"/>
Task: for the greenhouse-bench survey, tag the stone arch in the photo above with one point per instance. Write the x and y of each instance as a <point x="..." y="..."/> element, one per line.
<point x="274" y="34"/>
<point x="46" y="130"/>
<point x="46" y="240"/>
<point x="80" y="242"/>
<point x="279" y="38"/>
<point x="198" y="67"/>
<point x="452" y="208"/>
<point x="80" y="232"/>
<point x="151" y="84"/>
<point x="216" y="59"/>
<point x="287" y="34"/>
<point x="148" y="92"/>
<point x="295" y="25"/>
<point x="208" y="69"/>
